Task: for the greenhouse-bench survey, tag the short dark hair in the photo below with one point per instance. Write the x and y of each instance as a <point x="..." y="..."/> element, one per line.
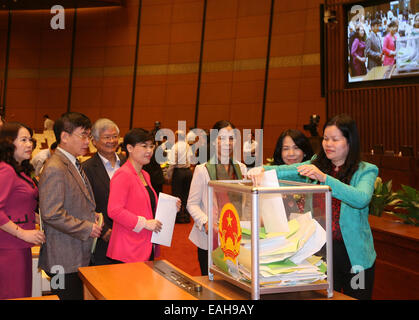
<point x="70" y="121"/>
<point x="137" y="135"/>
<point x="299" y="139"/>
<point x="54" y="146"/>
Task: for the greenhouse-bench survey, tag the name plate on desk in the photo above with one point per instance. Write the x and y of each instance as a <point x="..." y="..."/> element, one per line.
<point x="184" y="281"/>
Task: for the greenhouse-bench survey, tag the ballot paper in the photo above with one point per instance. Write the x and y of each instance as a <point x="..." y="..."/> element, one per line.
<point x="316" y="241"/>
<point x="272" y="207"/>
<point x="287" y="259"/>
<point x="166" y="214"/>
<point x="100" y="223"/>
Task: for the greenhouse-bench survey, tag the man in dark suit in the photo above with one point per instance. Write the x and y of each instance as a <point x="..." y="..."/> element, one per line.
<point x="373" y="46"/>
<point x="100" y="169"/>
<point x="67" y="208"/>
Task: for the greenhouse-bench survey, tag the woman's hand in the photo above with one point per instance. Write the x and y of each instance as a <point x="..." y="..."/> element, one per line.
<point x="107" y="236"/>
<point x="31" y="236"/>
<point x="153" y="225"/>
<point x="256" y="175"/>
<point x="312" y="172"/>
<point x="178" y="204"/>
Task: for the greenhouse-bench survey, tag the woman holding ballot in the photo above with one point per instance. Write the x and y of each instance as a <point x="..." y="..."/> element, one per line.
<point x="133" y="202"/>
<point x="338" y="165"/>
<point x="220" y="167"/>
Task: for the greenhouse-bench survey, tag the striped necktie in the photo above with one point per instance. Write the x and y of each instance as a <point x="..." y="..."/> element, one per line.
<point x="82" y="173"/>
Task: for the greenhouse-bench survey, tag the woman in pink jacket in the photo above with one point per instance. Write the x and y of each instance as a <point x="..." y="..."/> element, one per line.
<point x="18" y="202"/>
<point x="389" y="44"/>
<point x="132" y="203"/>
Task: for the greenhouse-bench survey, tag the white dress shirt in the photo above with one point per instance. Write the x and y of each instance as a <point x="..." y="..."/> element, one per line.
<point x="108" y="165"/>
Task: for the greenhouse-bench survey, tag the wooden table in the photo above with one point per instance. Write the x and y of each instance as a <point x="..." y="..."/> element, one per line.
<point x="128" y="281"/>
<point x="48" y="297"/>
<point x="231" y="292"/>
<point x="396" y="266"/>
<point x="138" y="281"/>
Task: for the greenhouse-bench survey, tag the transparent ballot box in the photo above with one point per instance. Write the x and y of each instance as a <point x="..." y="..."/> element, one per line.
<point x="269" y="240"/>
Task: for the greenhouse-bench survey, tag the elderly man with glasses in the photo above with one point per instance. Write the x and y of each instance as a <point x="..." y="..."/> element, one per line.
<point x="99" y="169"/>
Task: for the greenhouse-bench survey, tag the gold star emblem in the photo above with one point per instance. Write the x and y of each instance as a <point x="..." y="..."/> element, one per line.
<point x="229" y="219"/>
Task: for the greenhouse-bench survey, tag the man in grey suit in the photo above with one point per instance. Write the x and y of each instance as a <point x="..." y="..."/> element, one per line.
<point x="373" y="46"/>
<point x="67" y="208"/>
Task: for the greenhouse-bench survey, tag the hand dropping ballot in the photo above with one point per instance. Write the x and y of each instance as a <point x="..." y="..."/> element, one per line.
<point x="272" y="206"/>
<point x="166" y="214"/>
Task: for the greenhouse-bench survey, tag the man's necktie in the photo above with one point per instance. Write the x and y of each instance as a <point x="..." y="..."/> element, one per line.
<point x="82" y="173"/>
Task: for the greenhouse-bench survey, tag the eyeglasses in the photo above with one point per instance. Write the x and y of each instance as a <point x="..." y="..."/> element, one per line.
<point x="84" y="136"/>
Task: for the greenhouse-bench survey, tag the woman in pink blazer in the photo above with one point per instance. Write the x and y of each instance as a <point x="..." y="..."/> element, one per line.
<point x="389" y="44"/>
<point x="18" y="202"/>
<point x="132" y="203"/>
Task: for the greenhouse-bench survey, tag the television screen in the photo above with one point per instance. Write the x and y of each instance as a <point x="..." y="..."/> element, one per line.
<point x="382" y="41"/>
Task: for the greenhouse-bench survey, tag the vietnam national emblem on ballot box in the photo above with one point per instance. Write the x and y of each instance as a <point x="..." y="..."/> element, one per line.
<point x="270" y="239"/>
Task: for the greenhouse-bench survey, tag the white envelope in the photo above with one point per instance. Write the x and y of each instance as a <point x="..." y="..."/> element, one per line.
<point x="166" y="214"/>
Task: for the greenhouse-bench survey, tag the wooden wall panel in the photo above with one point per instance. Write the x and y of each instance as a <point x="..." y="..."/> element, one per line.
<point x="4" y="20"/>
<point x="169" y="49"/>
<point x="38" y="70"/>
<point x="103" y="64"/>
<point x="294" y="75"/>
<point x="232" y="82"/>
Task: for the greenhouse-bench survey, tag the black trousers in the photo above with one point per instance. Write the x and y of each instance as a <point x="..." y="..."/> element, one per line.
<point x="99" y="258"/>
<point x="73" y="287"/>
<point x="181" y="182"/>
<point x="357" y="285"/>
<point x="203" y="261"/>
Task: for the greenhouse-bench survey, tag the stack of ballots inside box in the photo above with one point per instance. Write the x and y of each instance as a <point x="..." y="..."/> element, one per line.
<point x="286" y="258"/>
